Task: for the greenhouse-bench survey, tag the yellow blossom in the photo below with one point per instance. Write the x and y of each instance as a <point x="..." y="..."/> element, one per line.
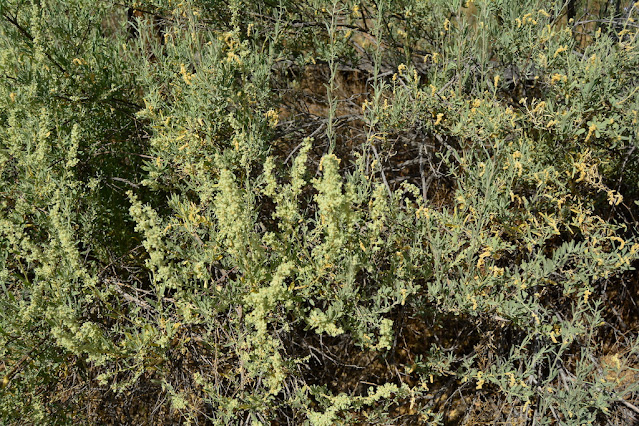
<point x="539" y="107"/>
<point x="559" y="50"/>
<point x="536" y="317"/>
<point x="614" y="198"/>
<point x="591" y="130"/>
<point x="273" y="117"/>
<point x="587" y="294"/>
<point x="185" y="75"/>
<point x="480" y="380"/>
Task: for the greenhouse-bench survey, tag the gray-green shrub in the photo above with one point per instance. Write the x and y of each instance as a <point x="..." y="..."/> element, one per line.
<point x="174" y="223"/>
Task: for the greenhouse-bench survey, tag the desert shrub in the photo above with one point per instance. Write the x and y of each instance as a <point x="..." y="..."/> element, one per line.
<point x="322" y="212"/>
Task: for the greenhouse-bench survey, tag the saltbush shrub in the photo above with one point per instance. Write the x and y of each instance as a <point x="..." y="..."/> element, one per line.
<point x="318" y="212"/>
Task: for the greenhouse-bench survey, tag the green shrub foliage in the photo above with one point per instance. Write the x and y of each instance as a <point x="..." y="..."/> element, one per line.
<point x="319" y="212"/>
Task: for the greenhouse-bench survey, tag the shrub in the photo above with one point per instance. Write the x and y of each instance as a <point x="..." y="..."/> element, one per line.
<point x="318" y="212"/>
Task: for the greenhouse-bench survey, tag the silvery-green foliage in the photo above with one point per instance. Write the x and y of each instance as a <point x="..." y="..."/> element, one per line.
<point x="186" y="213"/>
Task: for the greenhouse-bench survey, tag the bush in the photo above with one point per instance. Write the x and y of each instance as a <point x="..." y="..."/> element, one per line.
<point x="323" y="212"/>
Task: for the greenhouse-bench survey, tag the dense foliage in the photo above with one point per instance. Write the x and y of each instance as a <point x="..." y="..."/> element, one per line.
<point x="319" y="211"/>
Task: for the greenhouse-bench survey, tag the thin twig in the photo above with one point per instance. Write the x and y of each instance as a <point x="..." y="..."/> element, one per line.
<point x="381" y="168"/>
